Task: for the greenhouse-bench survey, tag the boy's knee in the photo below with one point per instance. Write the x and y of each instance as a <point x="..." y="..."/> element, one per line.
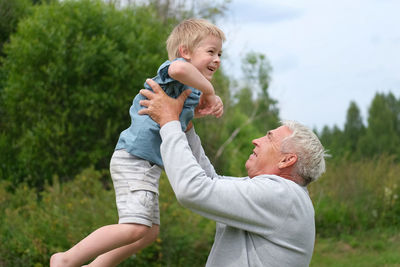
<point x="152" y="234"/>
<point x="155" y="231"/>
<point x="138" y="231"/>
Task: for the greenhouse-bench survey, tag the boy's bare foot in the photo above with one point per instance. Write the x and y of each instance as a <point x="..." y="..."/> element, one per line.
<point x="57" y="260"/>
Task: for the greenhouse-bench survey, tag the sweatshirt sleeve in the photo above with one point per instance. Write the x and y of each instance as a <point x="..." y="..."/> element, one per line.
<point x="248" y="204"/>
<point x="198" y="152"/>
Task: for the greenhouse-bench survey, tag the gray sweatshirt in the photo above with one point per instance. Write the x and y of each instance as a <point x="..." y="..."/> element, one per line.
<point x="263" y="221"/>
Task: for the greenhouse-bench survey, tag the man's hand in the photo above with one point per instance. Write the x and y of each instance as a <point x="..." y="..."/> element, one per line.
<point x="209" y="105"/>
<point x="159" y="106"/>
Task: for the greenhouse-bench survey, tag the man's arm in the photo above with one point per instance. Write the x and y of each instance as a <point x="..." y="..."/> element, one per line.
<point x="198" y="152"/>
<point x="256" y="205"/>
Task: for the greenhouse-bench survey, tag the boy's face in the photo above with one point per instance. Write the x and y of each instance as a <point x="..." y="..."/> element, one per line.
<point x="206" y="57"/>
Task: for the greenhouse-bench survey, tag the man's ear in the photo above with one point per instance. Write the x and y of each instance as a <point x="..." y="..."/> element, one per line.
<point x="287" y="160"/>
<point x="184" y="52"/>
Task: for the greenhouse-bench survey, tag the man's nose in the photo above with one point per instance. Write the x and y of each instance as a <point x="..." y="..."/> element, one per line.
<point x="255" y="141"/>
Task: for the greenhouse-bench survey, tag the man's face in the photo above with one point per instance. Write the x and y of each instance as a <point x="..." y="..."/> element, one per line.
<point x="266" y="154"/>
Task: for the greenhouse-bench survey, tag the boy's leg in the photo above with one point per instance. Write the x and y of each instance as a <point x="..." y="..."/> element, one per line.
<point x="100" y="241"/>
<point x="136" y="187"/>
<point x="116" y="256"/>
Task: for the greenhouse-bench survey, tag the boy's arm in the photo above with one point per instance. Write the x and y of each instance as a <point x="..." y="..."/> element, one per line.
<point x="188" y="74"/>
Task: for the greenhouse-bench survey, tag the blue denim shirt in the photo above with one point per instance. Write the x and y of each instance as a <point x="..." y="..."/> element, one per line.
<point x="142" y="138"/>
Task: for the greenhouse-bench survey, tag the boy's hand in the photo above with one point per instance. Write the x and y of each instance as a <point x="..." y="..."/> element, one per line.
<point x="209" y="105"/>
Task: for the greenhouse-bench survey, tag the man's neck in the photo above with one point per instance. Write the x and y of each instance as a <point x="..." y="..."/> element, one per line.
<point x="297" y="179"/>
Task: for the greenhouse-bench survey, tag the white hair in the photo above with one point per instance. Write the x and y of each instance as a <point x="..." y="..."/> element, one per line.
<point x="310" y="153"/>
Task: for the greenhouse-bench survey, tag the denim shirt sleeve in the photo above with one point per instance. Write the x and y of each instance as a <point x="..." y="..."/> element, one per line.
<point x="162" y="72"/>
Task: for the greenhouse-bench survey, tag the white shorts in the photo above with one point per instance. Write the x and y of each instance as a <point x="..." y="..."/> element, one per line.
<point x="136" y="188"/>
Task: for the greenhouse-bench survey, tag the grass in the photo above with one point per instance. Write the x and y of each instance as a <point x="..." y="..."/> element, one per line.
<point x="375" y="248"/>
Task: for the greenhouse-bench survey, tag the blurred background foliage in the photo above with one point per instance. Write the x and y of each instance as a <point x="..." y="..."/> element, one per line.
<point x="68" y="73"/>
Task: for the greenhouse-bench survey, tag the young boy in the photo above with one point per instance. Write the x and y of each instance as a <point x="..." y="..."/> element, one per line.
<point x="194" y="51"/>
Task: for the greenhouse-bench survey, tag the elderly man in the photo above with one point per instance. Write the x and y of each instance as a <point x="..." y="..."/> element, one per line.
<point x="265" y="219"/>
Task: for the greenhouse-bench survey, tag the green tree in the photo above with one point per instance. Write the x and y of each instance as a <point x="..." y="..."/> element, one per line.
<point x="333" y="139"/>
<point x="354" y="128"/>
<point x="264" y="111"/>
<point x="71" y="72"/>
<point x="325" y="136"/>
<point x="382" y="134"/>
<point x="11" y="11"/>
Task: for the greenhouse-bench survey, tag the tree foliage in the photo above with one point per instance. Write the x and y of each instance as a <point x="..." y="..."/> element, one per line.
<point x="380" y="136"/>
<point x="383" y="133"/>
<point x="71" y="72"/>
<point x="11" y="11"/>
<point x="353" y="128"/>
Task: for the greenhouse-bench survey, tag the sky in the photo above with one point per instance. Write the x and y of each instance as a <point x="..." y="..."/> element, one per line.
<point x="324" y="54"/>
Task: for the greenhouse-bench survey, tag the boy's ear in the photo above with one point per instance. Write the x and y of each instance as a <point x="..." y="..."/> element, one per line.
<point x="184" y="52"/>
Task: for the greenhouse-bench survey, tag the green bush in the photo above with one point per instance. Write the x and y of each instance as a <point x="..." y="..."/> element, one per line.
<point x="350" y="198"/>
<point x="71" y="72"/>
<point x="357" y="196"/>
<point x="11" y="11"/>
<point x="36" y="225"/>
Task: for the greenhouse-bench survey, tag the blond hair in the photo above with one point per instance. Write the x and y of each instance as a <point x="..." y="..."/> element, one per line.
<point x="189" y="33"/>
